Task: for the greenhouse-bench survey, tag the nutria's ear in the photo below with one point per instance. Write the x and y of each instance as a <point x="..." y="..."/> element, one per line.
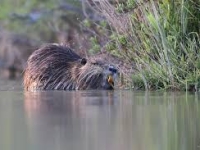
<point x="83" y="61"/>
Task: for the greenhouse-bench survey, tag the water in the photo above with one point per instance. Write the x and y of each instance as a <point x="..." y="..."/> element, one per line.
<point x="99" y="120"/>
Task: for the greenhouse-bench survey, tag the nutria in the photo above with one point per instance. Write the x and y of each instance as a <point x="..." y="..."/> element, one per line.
<point x="57" y="67"/>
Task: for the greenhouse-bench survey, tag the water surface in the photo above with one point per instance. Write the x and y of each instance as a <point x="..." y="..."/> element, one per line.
<point x="99" y="120"/>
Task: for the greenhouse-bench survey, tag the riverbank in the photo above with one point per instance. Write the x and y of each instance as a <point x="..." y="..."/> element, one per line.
<point x="158" y="40"/>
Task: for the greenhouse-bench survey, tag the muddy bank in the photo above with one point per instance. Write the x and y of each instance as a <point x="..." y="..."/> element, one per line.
<point x="14" y="52"/>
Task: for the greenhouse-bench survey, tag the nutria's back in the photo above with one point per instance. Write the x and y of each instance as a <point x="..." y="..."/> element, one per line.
<point x="57" y="67"/>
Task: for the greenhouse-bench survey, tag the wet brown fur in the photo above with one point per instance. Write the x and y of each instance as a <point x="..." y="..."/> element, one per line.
<point x="57" y="67"/>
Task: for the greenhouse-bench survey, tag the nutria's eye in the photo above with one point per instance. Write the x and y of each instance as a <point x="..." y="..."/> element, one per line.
<point x="83" y="61"/>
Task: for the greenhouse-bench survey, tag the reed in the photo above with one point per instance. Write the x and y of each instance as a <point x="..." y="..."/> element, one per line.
<point x="160" y="38"/>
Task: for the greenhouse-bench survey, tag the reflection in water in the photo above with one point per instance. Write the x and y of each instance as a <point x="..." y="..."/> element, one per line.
<point x="99" y="120"/>
<point x="72" y="120"/>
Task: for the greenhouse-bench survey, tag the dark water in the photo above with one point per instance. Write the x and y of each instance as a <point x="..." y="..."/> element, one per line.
<point x="99" y="120"/>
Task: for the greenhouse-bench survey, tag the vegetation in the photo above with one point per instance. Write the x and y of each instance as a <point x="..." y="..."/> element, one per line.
<point x="41" y="20"/>
<point x="161" y="38"/>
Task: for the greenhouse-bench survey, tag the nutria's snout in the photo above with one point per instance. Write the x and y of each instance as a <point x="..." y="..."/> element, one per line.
<point x="111" y="75"/>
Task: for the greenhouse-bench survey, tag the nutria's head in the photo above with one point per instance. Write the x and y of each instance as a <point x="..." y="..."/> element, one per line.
<point x="94" y="73"/>
<point x="56" y="67"/>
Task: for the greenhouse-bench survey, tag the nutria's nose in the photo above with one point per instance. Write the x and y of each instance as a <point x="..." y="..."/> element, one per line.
<point x="112" y="69"/>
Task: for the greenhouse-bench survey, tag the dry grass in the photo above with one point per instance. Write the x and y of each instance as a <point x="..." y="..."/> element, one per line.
<point x="160" y="38"/>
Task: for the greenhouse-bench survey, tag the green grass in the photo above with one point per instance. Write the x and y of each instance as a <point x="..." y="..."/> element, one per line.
<point x="162" y="39"/>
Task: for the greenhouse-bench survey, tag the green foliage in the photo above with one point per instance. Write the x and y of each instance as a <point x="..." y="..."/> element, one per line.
<point x="163" y="41"/>
<point x="120" y="7"/>
<point x="130" y="4"/>
<point x="95" y="45"/>
<point x="126" y="6"/>
<point x="18" y="17"/>
<point x="86" y="23"/>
